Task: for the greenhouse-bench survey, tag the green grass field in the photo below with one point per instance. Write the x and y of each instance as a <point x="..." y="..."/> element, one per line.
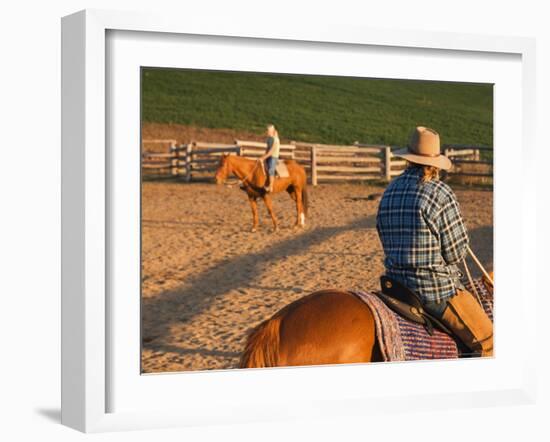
<point x="337" y="110"/>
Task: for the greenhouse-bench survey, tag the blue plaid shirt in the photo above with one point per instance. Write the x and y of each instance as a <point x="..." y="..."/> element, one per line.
<point x="423" y="235"/>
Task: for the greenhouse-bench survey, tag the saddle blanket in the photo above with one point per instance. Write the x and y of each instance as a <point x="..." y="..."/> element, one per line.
<point x="281" y="170"/>
<point x="402" y="340"/>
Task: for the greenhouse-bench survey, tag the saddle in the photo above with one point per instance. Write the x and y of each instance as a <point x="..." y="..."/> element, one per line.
<point x="281" y="170"/>
<point x="408" y="304"/>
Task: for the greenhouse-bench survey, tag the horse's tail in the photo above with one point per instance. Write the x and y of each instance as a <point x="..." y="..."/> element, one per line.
<point x="262" y="347"/>
<point x="305" y="199"/>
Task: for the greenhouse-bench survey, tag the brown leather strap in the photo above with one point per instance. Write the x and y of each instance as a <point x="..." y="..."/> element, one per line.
<point x="408" y="304"/>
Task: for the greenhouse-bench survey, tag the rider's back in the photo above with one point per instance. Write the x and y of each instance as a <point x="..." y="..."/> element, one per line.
<point x="423" y="235"/>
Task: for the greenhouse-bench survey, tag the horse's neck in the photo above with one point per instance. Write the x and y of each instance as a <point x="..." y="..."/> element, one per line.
<point x="243" y="168"/>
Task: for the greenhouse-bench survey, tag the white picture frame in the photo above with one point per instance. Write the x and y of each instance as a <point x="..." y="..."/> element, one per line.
<point x="86" y="206"/>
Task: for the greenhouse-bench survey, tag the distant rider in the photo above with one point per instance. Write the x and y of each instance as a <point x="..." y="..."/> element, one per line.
<point x="271" y="156"/>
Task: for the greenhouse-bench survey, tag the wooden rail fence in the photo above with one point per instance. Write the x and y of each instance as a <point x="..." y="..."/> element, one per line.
<point x="159" y="162"/>
<point x="324" y="163"/>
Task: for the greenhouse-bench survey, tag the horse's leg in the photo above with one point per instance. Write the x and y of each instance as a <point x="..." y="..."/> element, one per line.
<point x="326" y="327"/>
<point x="292" y="192"/>
<point x="269" y="204"/>
<point x="300" y="215"/>
<point x="294" y="196"/>
<point x="254" y="206"/>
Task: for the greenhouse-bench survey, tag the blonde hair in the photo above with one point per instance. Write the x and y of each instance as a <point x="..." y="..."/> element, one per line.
<point x="272" y="126"/>
<point x="429" y="173"/>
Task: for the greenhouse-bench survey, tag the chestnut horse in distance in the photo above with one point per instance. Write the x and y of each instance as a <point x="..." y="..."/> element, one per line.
<point x="252" y="178"/>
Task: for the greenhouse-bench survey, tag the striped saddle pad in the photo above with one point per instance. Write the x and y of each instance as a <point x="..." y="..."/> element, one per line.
<point x="402" y="340"/>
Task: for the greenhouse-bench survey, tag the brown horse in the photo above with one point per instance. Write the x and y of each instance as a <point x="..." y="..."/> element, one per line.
<point x="252" y="178"/>
<point x="324" y="327"/>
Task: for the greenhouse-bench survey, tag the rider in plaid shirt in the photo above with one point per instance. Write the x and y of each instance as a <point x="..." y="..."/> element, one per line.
<point x="424" y="238"/>
<point x="432" y="237"/>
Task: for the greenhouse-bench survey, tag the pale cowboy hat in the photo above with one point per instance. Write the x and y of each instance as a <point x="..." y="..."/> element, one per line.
<point x="424" y="148"/>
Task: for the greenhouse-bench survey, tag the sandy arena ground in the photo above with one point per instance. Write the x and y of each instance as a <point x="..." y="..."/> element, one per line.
<point x="207" y="280"/>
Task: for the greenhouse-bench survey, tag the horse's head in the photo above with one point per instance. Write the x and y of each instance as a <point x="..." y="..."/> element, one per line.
<point x="223" y="169"/>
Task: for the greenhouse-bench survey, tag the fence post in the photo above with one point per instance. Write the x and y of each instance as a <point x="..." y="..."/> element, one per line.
<point x="313" y="161"/>
<point x="174" y="161"/>
<point x="188" y="155"/>
<point x="387" y="163"/>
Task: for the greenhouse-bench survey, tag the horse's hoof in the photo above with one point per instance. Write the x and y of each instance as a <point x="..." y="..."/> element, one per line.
<point x="253" y="230"/>
<point x="275" y="229"/>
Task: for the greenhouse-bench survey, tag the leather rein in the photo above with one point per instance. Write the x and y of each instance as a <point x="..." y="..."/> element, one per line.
<point x="243" y="182"/>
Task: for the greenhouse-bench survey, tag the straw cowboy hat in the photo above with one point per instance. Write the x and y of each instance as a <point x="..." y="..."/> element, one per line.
<point x="424" y="148"/>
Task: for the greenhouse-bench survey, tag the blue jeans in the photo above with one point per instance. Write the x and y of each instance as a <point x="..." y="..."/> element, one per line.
<point x="436" y="309"/>
<point x="271" y="163"/>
